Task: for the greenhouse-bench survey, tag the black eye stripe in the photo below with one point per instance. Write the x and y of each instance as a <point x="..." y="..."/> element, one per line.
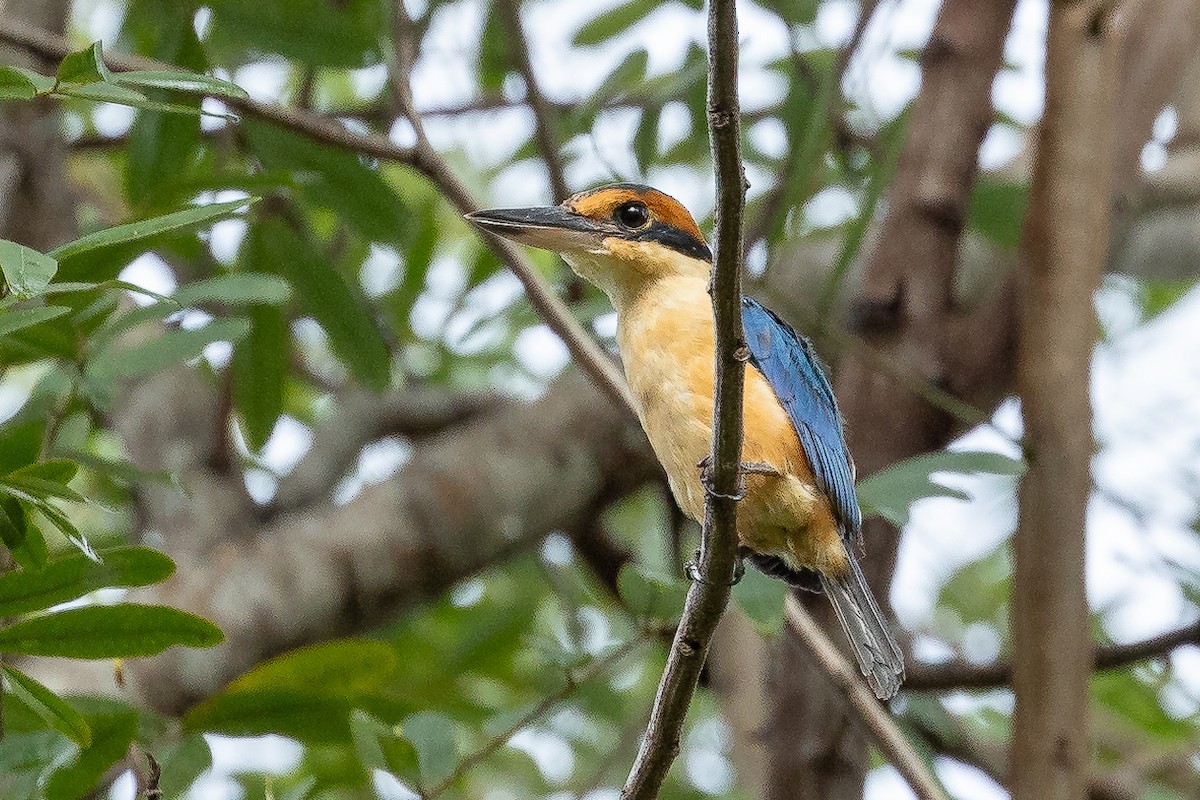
<point x="675" y="239"/>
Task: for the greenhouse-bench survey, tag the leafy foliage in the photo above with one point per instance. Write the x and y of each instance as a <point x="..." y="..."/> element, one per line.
<point x="351" y="275"/>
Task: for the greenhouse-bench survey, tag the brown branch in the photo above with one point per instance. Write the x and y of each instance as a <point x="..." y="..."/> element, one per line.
<point x="709" y="593"/>
<point x="544" y="119"/>
<point x="363" y="416"/>
<point x="1064" y="248"/>
<point x="466" y="500"/>
<point x="948" y="736"/>
<point x="846" y="54"/>
<point x="1162" y="37"/>
<point x="887" y="735"/>
<point x="954" y="675"/>
<point x="587" y="353"/>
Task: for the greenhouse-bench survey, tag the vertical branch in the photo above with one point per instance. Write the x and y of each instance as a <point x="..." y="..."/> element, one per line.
<point x="908" y="314"/>
<point x="1065" y="245"/>
<point x="707" y="598"/>
<point x="544" y="123"/>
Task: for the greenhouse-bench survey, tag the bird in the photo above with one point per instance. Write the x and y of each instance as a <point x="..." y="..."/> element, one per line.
<point x="799" y="518"/>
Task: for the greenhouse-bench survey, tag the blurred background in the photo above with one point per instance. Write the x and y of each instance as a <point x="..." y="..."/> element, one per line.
<point x="398" y="470"/>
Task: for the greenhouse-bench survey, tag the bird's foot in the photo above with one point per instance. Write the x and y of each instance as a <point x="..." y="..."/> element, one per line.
<point x="745" y="468"/>
<point x="692" y="568"/>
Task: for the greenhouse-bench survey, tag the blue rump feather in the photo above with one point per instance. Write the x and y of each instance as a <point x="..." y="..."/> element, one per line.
<point x="787" y="360"/>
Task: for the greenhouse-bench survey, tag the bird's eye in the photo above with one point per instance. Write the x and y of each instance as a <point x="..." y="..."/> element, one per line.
<point x="632" y="215"/>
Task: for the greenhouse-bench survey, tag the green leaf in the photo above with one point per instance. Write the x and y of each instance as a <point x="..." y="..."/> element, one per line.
<point x="344" y="667"/>
<point x="15" y="85"/>
<point x="20" y="443"/>
<point x="337" y="180"/>
<point x="125" y="630"/>
<point x="1124" y="696"/>
<point x="26" y="271"/>
<point x="163" y="150"/>
<point x="84" y="67"/>
<point x="111" y="736"/>
<point x="183" y="82"/>
<point x="656" y="598"/>
<point x="115" y="93"/>
<point x="891" y="491"/>
<point x="44" y="480"/>
<point x="135" y="231"/>
<point x="340" y="310"/>
<point x="494" y="63"/>
<point x="997" y="210"/>
<point x="57" y="470"/>
<point x="237" y="288"/>
<point x="43" y="83"/>
<point x="50" y="707"/>
<point x="40" y="489"/>
<point x="106" y="93"/>
<point x="1158" y="296"/>
<point x="22" y="538"/>
<point x="75" y="575"/>
<point x="52" y="513"/>
<point x="22" y="318"/>
<point x="762" y="599"/>
<point x="182" y="764"/>
<point x="307" y="694"/>
<point x="260" y="370"/>
<point x="612" y="23"/>
<point x="435" y="739"/>
<point x="124" y="472"/>
<point x="381" y="746"/>
<point x="980" y="591"/>
<point x="307" y="716"/>
<point x="315" y="33"/>
<point x="171" y="348"/>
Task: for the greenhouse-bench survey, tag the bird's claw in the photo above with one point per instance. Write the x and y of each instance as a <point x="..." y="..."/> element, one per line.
<point x="692" y="568"/>
<point x="745" y="468"/>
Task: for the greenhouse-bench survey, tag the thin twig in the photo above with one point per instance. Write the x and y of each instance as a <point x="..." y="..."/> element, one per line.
<point x="954" y="675"/>
<point x="947" y="734"/>
<point x="888" y="737"/>
<point x="707" y="597"/>
<point x="573" y="682"/>
<point x="586" y="352"/>
<point x="544" y="117"/>
<point x="774" y="203"/>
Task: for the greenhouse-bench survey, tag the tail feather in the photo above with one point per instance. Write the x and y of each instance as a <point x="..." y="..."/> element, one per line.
<point x="878" y="656"/>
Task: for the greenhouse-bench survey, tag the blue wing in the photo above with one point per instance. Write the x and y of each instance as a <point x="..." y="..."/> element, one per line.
<point x="788" y="362"/>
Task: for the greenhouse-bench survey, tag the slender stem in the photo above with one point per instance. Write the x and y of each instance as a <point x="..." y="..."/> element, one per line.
<point x="544" y="129"/>
<point x="955" y="675"/>
<point x="708" y="596"/>
<point x="597" y="667"/>
<point x="882" y="727"/>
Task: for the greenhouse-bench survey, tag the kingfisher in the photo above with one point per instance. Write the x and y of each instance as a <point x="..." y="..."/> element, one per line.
<point x="799" y="519"/>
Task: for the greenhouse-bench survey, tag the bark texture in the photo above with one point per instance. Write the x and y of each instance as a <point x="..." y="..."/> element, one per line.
<point x="907" y="312"/>
<point x="1065" y="246"/>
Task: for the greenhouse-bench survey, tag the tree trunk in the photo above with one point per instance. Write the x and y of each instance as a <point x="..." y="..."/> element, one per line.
<point x="907" y="313"/>
<point x="1065" y="245"/>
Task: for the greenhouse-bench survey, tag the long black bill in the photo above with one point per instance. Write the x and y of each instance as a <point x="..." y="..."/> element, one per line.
<point x="512" y="222"/>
